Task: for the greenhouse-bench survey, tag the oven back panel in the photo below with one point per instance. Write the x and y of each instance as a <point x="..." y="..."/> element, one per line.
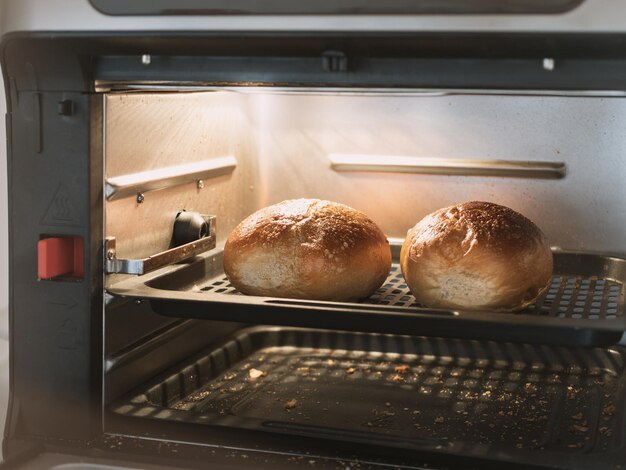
<point x="284" y="144"/>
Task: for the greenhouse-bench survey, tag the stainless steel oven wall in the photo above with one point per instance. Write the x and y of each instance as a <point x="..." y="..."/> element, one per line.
<point x="584" y="210"/>
<point x="147" y="132"/>
<point x="52" y="15"/>
<point x="284" y="143"/>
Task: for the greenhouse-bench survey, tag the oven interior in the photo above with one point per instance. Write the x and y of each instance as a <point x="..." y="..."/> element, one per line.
<point x="187" y="355"/>
<point x="133" y="335"/>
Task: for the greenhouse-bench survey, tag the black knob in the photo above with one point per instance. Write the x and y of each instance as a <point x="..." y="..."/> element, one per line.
<point x="189" y="227"/>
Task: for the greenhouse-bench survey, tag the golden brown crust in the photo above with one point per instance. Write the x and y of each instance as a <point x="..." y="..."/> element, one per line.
<point x="307" y="248"/>
<point x="476" y="255"/>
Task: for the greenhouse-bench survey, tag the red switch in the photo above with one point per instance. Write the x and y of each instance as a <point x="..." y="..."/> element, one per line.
<point x="60" y="257"/>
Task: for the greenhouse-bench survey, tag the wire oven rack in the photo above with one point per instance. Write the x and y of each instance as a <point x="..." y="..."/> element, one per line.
<point x="584" y="305"/>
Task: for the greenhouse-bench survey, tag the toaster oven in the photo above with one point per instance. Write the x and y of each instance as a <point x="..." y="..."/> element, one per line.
<point x="141" y="133"/>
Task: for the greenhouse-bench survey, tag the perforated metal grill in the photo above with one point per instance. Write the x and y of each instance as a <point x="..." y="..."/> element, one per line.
<point x="573" y="297"/>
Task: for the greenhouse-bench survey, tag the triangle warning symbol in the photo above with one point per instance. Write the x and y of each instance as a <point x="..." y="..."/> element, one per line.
<point x="60" y="210"/>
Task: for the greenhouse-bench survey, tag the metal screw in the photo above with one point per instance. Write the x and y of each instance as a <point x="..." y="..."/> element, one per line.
<point x="146" y="59"/>
<point x="110" y="254"/>
<point x="548" y="64"/>
<point x="200" y="184"/>
<point x="140" y="198"/>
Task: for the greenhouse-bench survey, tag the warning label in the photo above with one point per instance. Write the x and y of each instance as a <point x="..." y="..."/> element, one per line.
<point x="60" y="211"/>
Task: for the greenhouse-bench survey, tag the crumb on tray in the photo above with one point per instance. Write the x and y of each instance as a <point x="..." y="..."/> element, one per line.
<point x="256" y="373"/>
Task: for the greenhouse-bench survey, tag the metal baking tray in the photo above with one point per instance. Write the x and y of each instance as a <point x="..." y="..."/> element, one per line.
<point x="584" y="306"/>
<point x="515" y="403"/>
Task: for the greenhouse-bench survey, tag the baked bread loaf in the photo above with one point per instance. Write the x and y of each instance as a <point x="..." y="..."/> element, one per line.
<point x="476" y="256"/>
<point x="307" y="249"/>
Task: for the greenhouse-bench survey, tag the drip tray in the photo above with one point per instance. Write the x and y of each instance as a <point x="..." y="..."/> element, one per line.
<point x="512" y="402"/>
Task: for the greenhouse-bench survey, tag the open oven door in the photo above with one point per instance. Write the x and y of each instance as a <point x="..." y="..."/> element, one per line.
<point x="147" y="457"/>
<point x="43" y="460"/>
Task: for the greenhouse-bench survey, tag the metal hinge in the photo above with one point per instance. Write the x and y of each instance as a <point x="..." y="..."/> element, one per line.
<point x="115" y="265"/>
